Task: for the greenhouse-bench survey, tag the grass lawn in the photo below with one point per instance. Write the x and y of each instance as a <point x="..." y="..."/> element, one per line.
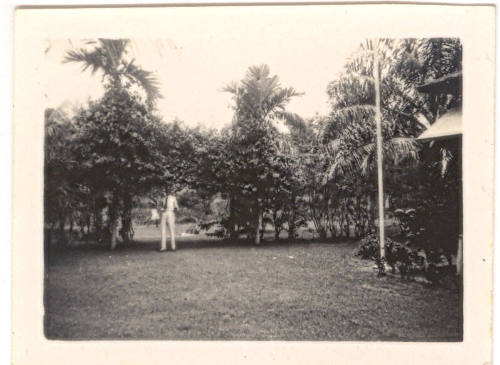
<point x="211" y="290"/>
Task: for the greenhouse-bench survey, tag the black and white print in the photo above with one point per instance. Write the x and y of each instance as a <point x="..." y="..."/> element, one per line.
<point x="215" y="186"/>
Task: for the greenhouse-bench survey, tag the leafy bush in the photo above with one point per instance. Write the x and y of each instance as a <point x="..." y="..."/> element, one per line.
<point x="368" y="248"/>
<point x="407" y="260"/>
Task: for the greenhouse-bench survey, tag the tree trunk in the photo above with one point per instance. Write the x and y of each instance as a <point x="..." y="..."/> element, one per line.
<point x="82" y="227"/>
<point x="347" y="229"/>
<point x="258" y="226"/>
<point x="127" y="218"/>
<point x="62" y="223"/>
<point x="277" y="229"/>
<point x="233" y="232"/>
<point x="52" y="228"/>
<point x="70" y="230"/>
<point x="113" y="220"/>
<point x="97" y="217"/>
<point x="341" y="219"/>
<point x="292" y="220"/>
<point x="262" y="228"/>
<point x="323" y="234"/>
<point x="114" y="233"/>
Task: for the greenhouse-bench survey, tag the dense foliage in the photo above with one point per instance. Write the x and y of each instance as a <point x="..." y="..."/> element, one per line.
<point x="116" y="155"/>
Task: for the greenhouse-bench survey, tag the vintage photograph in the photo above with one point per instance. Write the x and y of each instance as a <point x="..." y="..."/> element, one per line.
<point x="216" y="187"/>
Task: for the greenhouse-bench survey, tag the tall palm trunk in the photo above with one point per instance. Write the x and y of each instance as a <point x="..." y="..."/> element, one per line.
<point x="380" y="180"/>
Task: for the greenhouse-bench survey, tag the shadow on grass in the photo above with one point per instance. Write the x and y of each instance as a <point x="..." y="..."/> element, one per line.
<point x="194" y="244"/>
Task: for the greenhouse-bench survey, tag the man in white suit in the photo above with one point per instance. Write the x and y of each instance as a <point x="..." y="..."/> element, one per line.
<point x="168" y="207"/>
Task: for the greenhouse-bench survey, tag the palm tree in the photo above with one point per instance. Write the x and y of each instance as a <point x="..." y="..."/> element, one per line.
<point x="259" y="102"/>
<point x="109" y="57"/>
<point x="403" y="111"/>
<point x="259" y="97"/>
<point x="357" y="110"/>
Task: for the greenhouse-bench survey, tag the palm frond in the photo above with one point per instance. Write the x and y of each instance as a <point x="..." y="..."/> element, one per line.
<point x="294" y="121"/>
<point x="353" y="113"/>
<point x="361" y="60"/>
<point x="260" y="96"/>
<point x="361" y="160"/>
<point x="232" y="87"/>
<point x="93" y="60"/>
<point x="108" y="55"/>
<point x="349" y="90"/>
<point x="258" y="72"/>
<point x="115" y="49"/>
<point x="280" y="97"/>
<point x="145" y="79"/>
<point x="401" y="149"/>
<point x="332" y="147"/>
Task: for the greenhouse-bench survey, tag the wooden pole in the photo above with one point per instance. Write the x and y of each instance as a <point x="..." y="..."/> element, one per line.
<point x="378" y="117"/>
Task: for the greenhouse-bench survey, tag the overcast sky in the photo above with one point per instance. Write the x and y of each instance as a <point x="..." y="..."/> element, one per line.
<point x="204" y="52"/>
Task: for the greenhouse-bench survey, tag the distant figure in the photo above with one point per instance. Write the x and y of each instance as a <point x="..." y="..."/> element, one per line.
<point x="169" y="205"/>
<point x="155" y="217"/>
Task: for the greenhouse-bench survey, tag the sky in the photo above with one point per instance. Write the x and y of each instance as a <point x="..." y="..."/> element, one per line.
<point x="203" y="53"/>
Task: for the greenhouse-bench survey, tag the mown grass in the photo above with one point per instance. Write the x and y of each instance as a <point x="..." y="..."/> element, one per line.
<point x="212" y="290"/>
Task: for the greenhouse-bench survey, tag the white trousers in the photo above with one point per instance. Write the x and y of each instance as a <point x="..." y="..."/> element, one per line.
<point x="167" y="217"/>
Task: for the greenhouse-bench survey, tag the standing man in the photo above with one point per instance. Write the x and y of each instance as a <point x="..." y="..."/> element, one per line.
<point x="169" y="205"/>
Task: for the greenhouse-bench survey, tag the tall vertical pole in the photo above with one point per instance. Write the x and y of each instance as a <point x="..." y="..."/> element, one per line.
<point x="378" y="117"/>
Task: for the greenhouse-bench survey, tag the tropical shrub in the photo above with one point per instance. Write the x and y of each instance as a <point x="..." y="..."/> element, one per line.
<point x="408" y="261"/>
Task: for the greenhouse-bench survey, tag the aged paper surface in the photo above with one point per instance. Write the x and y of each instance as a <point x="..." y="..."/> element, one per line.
<point x="474" y="25"/>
